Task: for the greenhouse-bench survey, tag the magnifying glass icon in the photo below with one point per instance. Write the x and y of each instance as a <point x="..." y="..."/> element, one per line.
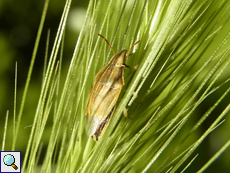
<point x="9" y="160"/>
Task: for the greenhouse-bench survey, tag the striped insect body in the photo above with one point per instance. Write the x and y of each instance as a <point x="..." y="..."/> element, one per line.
<point x="103" y="97"/>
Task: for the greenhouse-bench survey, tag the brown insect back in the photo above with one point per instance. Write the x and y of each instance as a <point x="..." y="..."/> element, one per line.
<point x="103" y="97"/>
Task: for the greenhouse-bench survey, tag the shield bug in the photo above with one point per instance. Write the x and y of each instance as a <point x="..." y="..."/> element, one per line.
<point x="102" y="101"/>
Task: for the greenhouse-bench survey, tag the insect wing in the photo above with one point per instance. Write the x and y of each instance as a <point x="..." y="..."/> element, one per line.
<point x="103" y="98"/>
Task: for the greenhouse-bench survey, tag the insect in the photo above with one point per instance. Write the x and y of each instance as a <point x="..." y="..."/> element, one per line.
<point x="102" y="101"/>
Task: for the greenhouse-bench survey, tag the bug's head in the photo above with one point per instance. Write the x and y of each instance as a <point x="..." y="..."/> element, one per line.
<point x="120" y="58"/>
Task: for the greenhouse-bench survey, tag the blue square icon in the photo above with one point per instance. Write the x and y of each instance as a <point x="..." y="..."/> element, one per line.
<point x="10" y="161"/>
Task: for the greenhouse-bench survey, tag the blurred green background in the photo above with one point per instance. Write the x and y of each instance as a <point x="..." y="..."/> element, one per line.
<point x="19" y="23"/>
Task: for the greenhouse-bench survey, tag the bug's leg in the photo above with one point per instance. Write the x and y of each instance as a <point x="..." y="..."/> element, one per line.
<point x="125" y="112"/>
<point x="130" y="73"/>
<point x="133" y="69"/>
<point x="125" y="65"/>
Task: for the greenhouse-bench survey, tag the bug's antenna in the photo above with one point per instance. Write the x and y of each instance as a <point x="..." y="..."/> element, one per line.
<point x="132" y="47"/>
<point x="107" y="42"/>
